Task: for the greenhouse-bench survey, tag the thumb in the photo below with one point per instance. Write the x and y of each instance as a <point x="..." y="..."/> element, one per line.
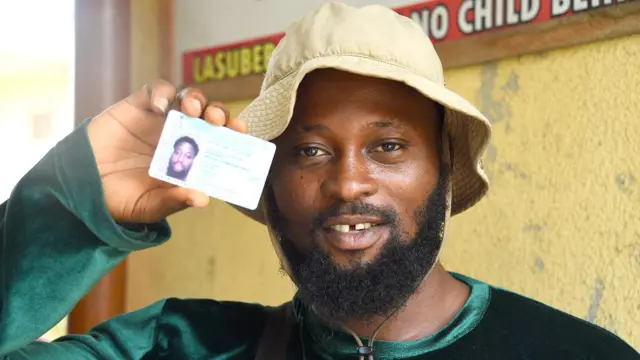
<point x="162" y="203"/>
<point x="188" y="197"/>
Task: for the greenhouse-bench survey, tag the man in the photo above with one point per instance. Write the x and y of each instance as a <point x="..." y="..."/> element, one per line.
<point x="185" y="149"/>
<point x="373" y="156"/>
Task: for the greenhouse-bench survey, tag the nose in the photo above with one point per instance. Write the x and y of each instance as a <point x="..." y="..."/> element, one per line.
<point x="349" y="179"/>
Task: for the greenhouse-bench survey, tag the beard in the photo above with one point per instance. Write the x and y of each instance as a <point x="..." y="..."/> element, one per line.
<point x="180" y="175"/>
<point x="364" y="291"/>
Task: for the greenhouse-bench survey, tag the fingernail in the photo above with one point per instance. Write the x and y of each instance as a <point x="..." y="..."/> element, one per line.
<point x="161" y="103"/>
<point x="196" y="105"/>
<point x="219" y="115"/>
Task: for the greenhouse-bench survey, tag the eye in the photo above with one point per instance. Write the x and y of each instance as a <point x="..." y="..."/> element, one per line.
<point x="387" y="147"/>
<point x="311" y="151"/>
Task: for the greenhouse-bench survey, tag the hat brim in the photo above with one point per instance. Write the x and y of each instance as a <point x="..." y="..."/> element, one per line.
<point x="469" y="130"/>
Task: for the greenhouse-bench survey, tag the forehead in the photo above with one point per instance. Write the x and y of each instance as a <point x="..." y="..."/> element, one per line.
<point x="328" y="94"/>
<point x="184" y="146"/>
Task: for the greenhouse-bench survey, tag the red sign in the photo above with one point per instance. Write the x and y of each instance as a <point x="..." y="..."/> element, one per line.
<point x="441" y="20"/>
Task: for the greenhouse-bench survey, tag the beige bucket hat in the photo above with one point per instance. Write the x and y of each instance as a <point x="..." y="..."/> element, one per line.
<point x="373" y="41"/>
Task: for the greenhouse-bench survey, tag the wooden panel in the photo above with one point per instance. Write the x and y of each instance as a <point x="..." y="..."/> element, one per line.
<point x="152" y="55"/>
<point x="166" y="39"/>
<point x="595" y="25"/>
<point x="102" y="78"/>
<point x="104" y="301"/>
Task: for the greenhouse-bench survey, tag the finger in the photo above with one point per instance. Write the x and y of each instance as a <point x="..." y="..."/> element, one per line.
<point x="153" y="97"/>
<point x="238" y="125"/>
<point x="162" y="94"/>
<point x="217" y="113"/>
<point x="192" y="102"/>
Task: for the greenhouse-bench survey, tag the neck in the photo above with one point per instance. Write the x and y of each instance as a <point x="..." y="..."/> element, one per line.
<point x="436" y="302"/>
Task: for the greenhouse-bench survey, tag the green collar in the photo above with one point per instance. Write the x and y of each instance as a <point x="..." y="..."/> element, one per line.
<point x="327" y="340"/>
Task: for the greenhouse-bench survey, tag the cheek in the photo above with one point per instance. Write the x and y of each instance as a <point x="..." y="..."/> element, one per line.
<point x="407" y="189"/>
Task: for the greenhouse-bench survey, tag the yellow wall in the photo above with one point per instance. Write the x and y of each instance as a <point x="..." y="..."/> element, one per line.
<point x="560" y="224"/>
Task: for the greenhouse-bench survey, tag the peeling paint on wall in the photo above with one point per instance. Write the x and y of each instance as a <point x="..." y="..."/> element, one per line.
<point x="625" y="182"/>
<point x="496" y="105"/>
<point x="211" y="265"/>
<point x="512" y="85"/>
<point x="491" y="154"/>
<point x="539" y="263"/>
<point x="534" y="227"/>
<point x="515" y="169"/>
<point x="494" y="109"/>
<point x="596" y="298"/>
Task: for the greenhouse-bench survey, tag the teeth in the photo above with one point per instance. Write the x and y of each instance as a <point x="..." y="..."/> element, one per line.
<point x="347" y="228"/>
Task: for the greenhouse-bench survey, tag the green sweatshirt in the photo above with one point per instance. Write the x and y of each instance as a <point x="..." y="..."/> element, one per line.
<point x="58" y="240"/>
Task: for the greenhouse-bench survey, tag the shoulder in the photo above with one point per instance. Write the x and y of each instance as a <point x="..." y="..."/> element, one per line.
<point x="197" y="328"/>
<point x="541" y="328"/>
<point x="207" y="313"/>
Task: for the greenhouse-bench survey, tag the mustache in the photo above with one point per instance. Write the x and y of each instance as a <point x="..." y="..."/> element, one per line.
<point x="386" y="214"/>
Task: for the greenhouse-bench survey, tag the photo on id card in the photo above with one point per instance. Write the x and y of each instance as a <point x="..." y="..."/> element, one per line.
<point x="215" y="160"/>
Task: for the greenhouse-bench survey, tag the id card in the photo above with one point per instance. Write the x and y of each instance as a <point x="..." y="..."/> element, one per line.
<point x="220" y="162"/>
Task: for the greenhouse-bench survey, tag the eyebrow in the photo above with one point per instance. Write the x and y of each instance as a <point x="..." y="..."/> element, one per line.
<point x="322" y="128"/>
<point x="385" y="123"/>
<point x="313" y="128"/>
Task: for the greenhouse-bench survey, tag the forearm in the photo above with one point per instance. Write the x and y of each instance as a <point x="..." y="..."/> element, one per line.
<point x="58" y="240"/>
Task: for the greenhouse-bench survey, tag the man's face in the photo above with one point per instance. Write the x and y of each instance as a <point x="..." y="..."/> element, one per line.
<point x="355" y="193"/>
<point x="182" y="157"/>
